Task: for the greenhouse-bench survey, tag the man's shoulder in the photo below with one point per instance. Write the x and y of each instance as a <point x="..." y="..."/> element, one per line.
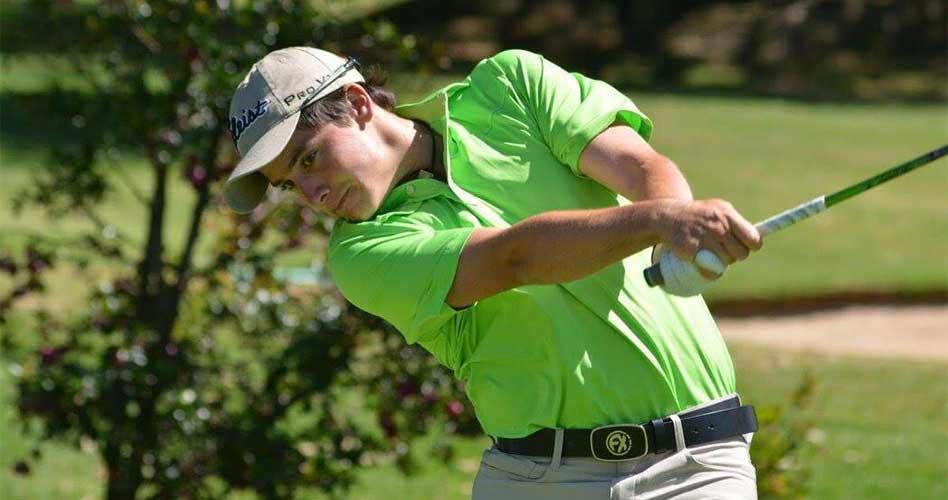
<point x="514" y="57"/>
<point x="512" y="62"/>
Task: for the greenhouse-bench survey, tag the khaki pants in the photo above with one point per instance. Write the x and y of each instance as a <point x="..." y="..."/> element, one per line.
<point x="718" y="470"/>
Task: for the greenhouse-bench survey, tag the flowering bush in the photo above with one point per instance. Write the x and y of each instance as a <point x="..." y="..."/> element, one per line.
<point x="199" y="372"/>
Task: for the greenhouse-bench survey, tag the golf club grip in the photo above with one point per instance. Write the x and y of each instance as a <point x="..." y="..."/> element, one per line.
<point x="791" y="216"/>
<point x="653" y="274"/>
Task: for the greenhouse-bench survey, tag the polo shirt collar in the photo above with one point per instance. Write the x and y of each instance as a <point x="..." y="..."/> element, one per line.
<point x="432" y="109"/>
<point x="414" y="191"/>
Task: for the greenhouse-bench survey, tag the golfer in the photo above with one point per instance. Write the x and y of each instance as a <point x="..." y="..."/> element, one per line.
<point x="503" y="223"/>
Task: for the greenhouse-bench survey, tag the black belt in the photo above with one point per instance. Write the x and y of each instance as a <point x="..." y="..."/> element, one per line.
<point x="609" y="443"/>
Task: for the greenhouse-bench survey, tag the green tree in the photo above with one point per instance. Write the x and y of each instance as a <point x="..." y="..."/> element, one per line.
<point x="198" y="372"/>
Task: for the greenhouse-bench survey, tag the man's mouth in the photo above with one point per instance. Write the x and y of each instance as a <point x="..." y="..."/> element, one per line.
<point x="341" y="203"/>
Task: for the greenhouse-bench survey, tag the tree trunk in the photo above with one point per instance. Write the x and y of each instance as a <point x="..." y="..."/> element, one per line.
<point x="149" y="271"/>
<point x="124" y="473"/>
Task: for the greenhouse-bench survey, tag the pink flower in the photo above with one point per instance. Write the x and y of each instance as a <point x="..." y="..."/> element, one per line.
<point x="455" y="407"/>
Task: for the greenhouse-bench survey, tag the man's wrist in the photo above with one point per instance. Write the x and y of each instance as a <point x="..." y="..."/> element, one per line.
<point x="649" y="219"/>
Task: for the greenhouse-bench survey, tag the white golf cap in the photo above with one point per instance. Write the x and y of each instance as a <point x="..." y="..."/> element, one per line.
<point x="266" y="108"/>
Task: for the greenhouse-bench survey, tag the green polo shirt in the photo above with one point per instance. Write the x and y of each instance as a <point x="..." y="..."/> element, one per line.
<point x="599" y="350"/>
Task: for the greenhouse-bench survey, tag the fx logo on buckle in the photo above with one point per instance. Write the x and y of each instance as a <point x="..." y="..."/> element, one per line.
<point x="615" y="443"/>
<point x="618" y="442"/>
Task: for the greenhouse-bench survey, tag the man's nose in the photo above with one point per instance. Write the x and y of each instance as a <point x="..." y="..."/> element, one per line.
<point x="322" y="196"/>
<point x="313" y="191"/>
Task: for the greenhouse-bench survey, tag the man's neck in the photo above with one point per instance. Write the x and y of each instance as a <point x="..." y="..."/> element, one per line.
<point x="417" y="140"/>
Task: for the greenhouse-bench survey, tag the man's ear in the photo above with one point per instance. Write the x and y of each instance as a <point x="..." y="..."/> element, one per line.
<point x="361" y="103"/>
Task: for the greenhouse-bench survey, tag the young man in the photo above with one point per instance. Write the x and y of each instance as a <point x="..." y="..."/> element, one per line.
<point x="491" y="223"/>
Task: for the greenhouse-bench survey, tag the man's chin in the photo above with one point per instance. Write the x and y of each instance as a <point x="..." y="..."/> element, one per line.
<point x="357" y="217"/>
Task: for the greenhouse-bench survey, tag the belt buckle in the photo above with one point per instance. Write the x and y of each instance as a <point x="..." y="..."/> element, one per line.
<point x="618" y="443"/>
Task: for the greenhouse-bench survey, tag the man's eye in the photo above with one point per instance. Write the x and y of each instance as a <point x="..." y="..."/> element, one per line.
<point x="286" y="186"/>
<point x="309" y="159"/>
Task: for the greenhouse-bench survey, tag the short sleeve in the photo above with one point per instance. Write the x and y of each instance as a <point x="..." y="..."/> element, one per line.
<point x="567" y="109"/>
<point x="400" y="269"/>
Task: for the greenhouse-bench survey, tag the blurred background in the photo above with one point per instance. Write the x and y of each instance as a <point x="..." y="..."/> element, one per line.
<point x="155" y="345"/>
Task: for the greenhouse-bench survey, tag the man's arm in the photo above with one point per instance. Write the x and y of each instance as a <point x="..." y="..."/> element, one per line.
<point x="562" y="246"/>
<point x="556" y="247"/>
<point x="552" y="247"/>
<point x="619" y="159"/>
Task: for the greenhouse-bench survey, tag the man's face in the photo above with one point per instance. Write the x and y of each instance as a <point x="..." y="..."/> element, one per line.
<point x="334" y="169"/>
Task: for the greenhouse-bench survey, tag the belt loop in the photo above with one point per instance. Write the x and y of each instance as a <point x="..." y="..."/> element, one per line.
<point x="679" y="432"/>
<point x="557" y="449"/>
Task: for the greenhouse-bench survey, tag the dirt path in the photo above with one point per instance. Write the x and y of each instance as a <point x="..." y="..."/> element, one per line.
<point x="907" y="332"/>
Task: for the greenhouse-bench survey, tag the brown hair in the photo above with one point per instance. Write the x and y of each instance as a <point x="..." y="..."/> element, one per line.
<point x="335" y="107"/>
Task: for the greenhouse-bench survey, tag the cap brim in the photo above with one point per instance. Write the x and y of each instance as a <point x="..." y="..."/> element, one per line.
<point x="246" y="187"/>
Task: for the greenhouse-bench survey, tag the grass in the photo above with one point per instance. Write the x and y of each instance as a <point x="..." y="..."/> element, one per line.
<point x="60" y="472"/>
<point x="880" y="421"/>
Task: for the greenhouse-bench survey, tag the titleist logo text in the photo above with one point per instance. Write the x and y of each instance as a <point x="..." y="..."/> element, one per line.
<point x="240" y="123"/>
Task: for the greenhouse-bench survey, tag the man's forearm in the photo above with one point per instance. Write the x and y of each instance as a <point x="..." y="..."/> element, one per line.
<point x="561" y="246"/>
<point x="555" y="247"/>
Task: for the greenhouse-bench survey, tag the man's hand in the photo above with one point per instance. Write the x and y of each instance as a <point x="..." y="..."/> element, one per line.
<point x="689" y="226"/>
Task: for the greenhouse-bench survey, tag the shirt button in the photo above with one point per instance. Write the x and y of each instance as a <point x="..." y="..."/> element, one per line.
<point x="411" y="189"/>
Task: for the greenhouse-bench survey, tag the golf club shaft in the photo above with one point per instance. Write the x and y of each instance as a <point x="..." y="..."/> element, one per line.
<point x="805" y="210"/>
<point x="892" y="173"/>
<point x="817" y="205"/>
